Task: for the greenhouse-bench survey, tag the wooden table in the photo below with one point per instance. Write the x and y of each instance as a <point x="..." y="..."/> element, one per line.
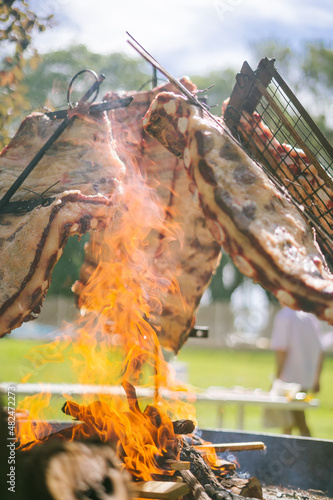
<point x="242" y="398"/>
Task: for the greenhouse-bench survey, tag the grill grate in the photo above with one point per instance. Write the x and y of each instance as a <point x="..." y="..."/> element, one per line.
<point x="273" y="126"/>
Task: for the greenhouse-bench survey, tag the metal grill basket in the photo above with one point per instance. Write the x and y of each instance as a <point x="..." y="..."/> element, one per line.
<point x="273" y="126"/>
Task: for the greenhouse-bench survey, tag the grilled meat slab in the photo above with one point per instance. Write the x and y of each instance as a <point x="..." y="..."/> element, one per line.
<point x="184" y="248"/>
<point x="69" y="192"/>
<point x="264" y="233"/>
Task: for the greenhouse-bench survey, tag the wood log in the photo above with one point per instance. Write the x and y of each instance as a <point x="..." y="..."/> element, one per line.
<point x="219" y="448"/>
<point x="184" y="426"/>
<point x="85" y="430"/>
<point x="197" y="490"/>
<point x="76" y="431"/>
<point x="177" y="464"/>
<point x="81" y="412"/>
<point x="200" y="477"/>
<point x="71" y="470"/>
<point x="161" y="490"/>
<point x="225" y="465"/>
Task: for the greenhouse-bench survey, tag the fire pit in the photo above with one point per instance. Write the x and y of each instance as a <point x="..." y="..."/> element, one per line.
<point x="169" y="475"/>
<point x="288" y="461"/>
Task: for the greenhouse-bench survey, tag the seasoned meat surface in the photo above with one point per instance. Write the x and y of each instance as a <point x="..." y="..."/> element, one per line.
<point x="264" y="233"/>
<point x="184" y="249"/>
<point x="70" y="190"/>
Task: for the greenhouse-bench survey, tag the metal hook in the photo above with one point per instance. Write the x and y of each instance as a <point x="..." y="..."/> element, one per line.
<point x="93" y="89"/>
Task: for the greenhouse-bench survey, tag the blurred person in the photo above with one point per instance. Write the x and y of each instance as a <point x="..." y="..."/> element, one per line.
<point x="299" y="357"/>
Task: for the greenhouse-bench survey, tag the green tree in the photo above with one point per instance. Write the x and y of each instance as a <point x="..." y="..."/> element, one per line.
<point x="309" y="73"/>
<point x="47" y="84"/>
<point x="223" y="81"/>
<point x="17" y="26"/>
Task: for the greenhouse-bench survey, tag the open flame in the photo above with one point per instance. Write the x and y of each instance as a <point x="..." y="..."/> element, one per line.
<point x="131" y="429"/>
<point x="115" y="343"/>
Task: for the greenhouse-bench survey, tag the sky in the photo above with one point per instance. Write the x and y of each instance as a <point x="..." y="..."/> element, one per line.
<point x="185" y="36"/>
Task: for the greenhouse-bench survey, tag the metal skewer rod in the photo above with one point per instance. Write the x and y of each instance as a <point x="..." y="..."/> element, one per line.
<point x="94" y="108"/>
<point x="143" y="52"/>
<point x="36" y="159"/>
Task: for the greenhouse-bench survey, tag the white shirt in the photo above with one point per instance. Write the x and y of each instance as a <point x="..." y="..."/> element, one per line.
<point x="297" y="333"/>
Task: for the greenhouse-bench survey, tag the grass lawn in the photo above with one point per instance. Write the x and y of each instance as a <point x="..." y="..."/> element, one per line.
<point x="206" y="367"/>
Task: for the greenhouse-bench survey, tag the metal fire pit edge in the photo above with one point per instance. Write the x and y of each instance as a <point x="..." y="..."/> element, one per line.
<point x="288" y="461"/>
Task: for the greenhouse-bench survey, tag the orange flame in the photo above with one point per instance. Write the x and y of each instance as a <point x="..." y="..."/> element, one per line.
<point x="31" y="430"/>
<point x="115" y="343"/>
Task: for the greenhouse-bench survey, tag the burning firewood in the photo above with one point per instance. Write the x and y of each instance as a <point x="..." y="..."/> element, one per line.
<point x="80" y="412"/>
<point x="59" y="470"/>
<point x="266" y="236"/>
<point x="183" y="249"/>
<point x="214" y="486"/>
<point x="176" y="457"/>
<point x="252" y="445"/>
<point x="184" y="426"/>
<point x="198" y="492"/>
<point x="100" y="420"/>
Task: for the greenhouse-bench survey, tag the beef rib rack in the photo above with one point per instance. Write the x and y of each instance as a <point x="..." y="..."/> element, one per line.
<point x="267" y="237"/>
<point x="79" y="173"/>
<point x="193" y="256"/>
<point x="77" y="187"/>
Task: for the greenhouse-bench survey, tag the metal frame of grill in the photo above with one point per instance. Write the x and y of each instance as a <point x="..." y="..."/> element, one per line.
<point x="292" y="150"/>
